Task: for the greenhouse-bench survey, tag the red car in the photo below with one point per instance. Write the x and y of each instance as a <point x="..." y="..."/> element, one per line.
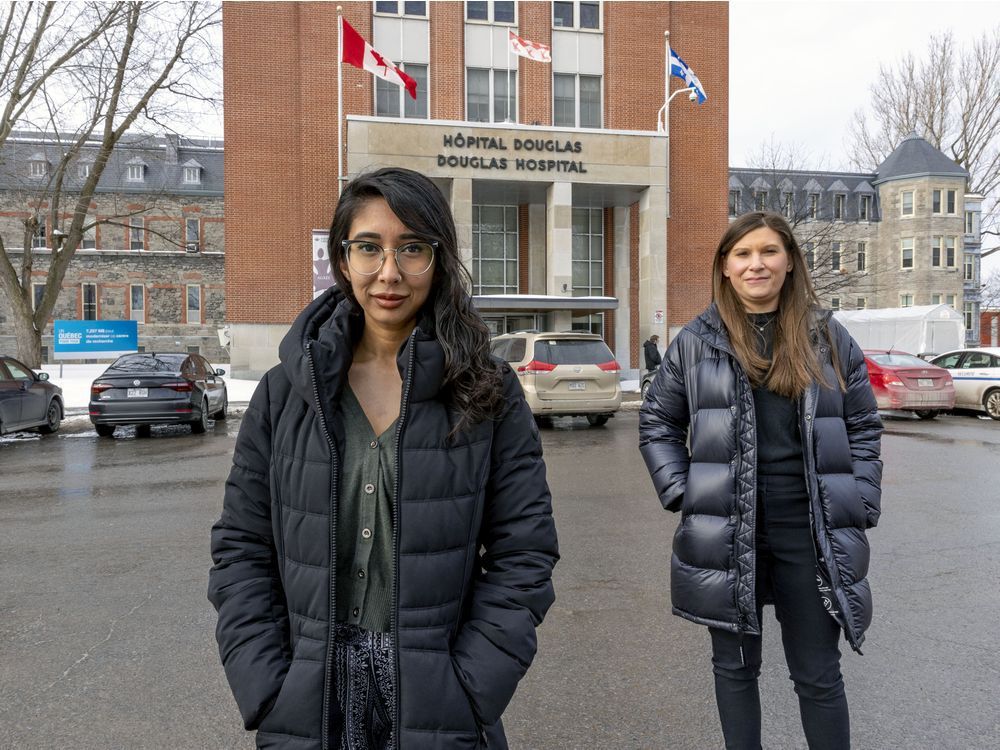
<point x="903" y="382"/>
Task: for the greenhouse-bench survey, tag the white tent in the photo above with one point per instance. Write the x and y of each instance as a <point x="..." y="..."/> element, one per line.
<point x="927" y="329"/>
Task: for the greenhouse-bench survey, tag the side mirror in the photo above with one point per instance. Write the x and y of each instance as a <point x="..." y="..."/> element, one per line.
<point x="43" y="376"/>
<point x="219" y="371"/>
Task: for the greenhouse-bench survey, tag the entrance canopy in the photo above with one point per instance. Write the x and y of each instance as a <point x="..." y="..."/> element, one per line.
<point x="542" y="302"/>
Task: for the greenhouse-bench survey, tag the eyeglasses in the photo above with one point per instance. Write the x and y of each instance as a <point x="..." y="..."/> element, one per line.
<point x="367" y="258"/>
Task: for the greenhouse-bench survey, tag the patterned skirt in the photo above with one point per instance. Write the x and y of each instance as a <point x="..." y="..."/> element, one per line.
<point x="366" y="691"/>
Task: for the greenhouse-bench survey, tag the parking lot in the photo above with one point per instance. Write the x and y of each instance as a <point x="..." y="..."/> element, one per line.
<point x="106" y="638"/>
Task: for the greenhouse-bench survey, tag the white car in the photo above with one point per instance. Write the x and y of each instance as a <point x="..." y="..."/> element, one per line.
<point x="976" y="373"/>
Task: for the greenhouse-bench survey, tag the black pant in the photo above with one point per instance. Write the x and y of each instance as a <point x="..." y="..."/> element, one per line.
<point x="786" y="574"/>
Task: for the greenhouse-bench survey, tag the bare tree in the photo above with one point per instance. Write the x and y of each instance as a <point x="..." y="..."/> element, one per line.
<point x="778" y="183"/>
<point x="949" y="96"/>
<point x="990" y="292"/>
<point x="86" y="74"/>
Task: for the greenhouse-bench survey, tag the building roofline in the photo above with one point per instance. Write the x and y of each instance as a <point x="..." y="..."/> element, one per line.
<point x="504" y="126"/>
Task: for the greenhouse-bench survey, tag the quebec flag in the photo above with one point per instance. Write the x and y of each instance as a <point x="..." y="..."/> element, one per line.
<point x="680" y="69"/>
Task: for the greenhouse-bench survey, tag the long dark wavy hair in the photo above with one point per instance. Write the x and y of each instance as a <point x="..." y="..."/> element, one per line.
<point x="472" y="382"/>
<point x="794" y="364"/>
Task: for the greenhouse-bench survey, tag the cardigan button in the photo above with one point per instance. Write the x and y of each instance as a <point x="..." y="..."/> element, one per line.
<point x="373" y="444"/>
<point x="366" y="533"/>
<point x="370" y="488"/>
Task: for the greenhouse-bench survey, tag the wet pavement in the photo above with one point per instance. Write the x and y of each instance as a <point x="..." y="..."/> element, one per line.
<point x="106" y="638"/>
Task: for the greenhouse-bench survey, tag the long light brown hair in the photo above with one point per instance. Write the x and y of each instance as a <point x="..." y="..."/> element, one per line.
<point x="794" y="364"/>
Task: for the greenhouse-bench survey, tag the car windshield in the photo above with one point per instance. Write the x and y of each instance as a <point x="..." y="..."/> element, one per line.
<point x="895" y="359"/>
<point x="149" y="363"/>
<point x="572" y="352"/>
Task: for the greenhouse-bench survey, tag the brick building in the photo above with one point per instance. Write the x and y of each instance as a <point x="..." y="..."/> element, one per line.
<point x="555" y="172"/>
<point x="156" y="257"/>
<point x="906" y="234"/>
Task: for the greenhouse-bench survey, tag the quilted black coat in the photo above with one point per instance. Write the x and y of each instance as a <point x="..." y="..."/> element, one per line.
<point x="712" y="479"/>
<point x="474" y="546"/>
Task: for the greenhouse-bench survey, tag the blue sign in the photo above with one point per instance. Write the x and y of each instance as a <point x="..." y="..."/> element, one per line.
<point x="95" y="339"/>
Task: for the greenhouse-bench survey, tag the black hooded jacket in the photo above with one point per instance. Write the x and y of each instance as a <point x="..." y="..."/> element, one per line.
<point x="464" y="620"/>
<point x="712" y="479"/>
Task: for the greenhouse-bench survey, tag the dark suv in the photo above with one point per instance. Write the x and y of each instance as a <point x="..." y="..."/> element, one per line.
<point x="27" y="399"/>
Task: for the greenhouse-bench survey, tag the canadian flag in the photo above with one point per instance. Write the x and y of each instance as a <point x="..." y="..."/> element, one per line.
<point x="531" y="50"/>
<point x="360" y="54"/>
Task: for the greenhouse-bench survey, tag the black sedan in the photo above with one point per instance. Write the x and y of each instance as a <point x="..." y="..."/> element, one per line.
<point x="27" y="399"/>
<point x="157" y="388"/>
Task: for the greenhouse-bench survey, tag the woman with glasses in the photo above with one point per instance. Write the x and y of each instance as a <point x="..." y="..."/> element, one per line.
<point x="386" y="545"/>
<point x="760" y="427"/>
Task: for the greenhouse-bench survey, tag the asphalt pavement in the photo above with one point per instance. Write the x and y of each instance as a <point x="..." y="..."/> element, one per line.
<point x="106" y="638"/>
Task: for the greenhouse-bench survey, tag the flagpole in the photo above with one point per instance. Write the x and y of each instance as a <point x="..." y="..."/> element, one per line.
<point x="340" y="98"/>
<point x="666" y="110"/>
<point x="509" y="119"/>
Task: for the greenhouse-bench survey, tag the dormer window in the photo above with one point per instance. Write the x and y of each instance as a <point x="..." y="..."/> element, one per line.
<point x="135" y="170"/>
<point x="83" y="169"/>
<point x="38" y="166"/>
<point x="192" y="173"/>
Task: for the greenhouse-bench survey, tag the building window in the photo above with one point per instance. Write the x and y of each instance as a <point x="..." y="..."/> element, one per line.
<point x="786" y="205"/>
<point x="137" y="300"/>
<point x="760" y="200"/>
<point x="38" y="168"/>
<point x="192" y="175"/>
<point x="567" y="90"/>
<point x="969" y="224"/>
<point x="391" y="99"/>
<point x="192" y="235"/>
<point x="136" y="172"/>
<point x="906" y="300"/>
<point x="89" y="292"/>
<point x="949" y="201"/>
<point x="502" y="12"/>
<point x="935" y="201"/>
<point x="862" y="256"/>
<point x="906" y="203"/>
<point x="968" y="312"/>
<point x="936" y="252"/>
<point x="839" y="201"/>
<point x="588" y="252"/>
<point x="564" y="14"/>
<point x="418" y="9"/>
<point x="494" y="249"/>
<point x="89" y="239"/>
<point x="37" y="292"/>
<point x="40" y="237"/>
<point x="593" y="323"/>
<point x="809" y="250"/>
<point x="865" y="208"/>
<point x="949" y="252"/>
<point x="734" y="202"/>
<point x="861" y="303"/>
<point x="193" y="304"/>
<point x="813" y="206"/>
<point x="136" y="233"/>
<point x="491" y="98"/>
<point x="835" y="256"/>
<point x="947" y="299"/>
<point x="906" y="253"/>
<point x="834" y="303"/>
<point x="83" y="170"/>
<point x="969" y="267"/>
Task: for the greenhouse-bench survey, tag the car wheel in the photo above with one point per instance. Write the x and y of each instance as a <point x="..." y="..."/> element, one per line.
<point x="105" y="430"/>
<point x="596" y="420"/>
<point x="543" y="420"/>
<point x="991" y="402"/>
<point x="224" y="411"/>
<point x="200" y="425"/>
<point x="143" y="430"/>
<point x="53" y="417"/>
<point x="927" y="413"/>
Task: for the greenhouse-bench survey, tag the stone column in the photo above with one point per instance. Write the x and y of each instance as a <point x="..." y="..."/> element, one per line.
<point x="559" y="249"/>
<point x="461" y="209"/>
<point x="653" y="262"/>
<point x="623" y="319"/>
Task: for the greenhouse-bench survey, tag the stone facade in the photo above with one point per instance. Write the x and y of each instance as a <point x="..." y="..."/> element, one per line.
<point x="158" y="244"/>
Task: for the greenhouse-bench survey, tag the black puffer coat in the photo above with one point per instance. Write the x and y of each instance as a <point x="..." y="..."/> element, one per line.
<point x="714" y="484"/>
<point x="465" y="623"/>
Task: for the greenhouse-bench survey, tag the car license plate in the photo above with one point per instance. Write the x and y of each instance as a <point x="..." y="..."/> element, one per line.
<point x="577" y="385"/>
<point x="137" y="392"/>
<point x="925" y="382"/>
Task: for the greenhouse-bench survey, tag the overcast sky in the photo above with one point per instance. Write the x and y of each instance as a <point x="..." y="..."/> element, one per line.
<point x="799" y="70"/>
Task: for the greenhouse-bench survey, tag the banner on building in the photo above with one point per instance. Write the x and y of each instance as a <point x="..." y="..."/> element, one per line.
<point x="322" y="271"/>
<point x="94" y="339"/>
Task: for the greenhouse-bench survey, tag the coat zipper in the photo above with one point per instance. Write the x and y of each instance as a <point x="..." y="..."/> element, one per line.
<point x="742" y="620"/>
<point x="394" y="614"/>
<point x="334" y="479"/>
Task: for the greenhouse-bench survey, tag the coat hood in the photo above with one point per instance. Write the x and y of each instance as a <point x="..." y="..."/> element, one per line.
<point x="329" y="328"/>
